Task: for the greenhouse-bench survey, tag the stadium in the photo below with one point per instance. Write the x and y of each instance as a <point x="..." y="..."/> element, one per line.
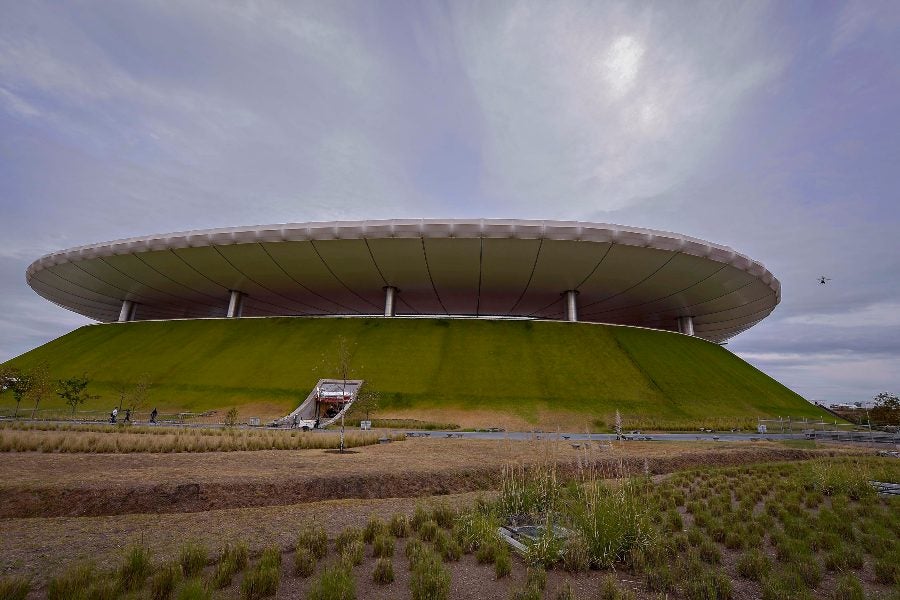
<point x="470" y="321"/>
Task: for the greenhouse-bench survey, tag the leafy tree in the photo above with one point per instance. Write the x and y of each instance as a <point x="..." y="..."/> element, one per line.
<point x="887" y="400"/>
<point x="40" y="385"/>
<point x="72" y="391"/>
<point x="19" y="383"/>
<point x="886" y="410"/>
<point x="366" y="400"/>
<point x="134" y="397"/>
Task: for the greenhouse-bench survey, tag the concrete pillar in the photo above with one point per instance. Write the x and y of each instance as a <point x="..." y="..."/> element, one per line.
<point x="571" y="305"/>
<point x="235" y="304"/>
<point x="127" y="312"/>
<point x="686" y="325"/>
<point x="390" y="296"/>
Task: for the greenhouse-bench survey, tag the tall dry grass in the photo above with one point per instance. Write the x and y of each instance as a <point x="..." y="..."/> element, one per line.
<point x="122" y="440"/>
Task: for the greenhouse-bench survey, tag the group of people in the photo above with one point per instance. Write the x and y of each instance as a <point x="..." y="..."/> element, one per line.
<point x="114" y="415"/>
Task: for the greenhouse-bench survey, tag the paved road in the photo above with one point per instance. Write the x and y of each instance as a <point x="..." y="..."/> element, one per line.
<point x="861" y="437"/>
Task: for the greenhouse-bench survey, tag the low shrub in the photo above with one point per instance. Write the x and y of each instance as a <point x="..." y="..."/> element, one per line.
<point x="304" y="563"/>
<point x="754" y="564"/>
<point x="315" y="540"/>
<point x="14" y="588"/>
<point x="164" y="581"/>
<point x="383" y="546"/>
<point x="384" y="571"/>
<point x="334" y="583"/>
<point x="192" y="557"/>
<point x="399" y="526"/>
<point x="136" y="566"/>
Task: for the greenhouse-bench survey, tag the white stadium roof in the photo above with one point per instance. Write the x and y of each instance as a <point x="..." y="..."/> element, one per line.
<point x="485" y="267"/>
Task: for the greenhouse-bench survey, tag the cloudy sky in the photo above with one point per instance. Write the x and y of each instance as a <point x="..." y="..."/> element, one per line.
<point x="772" y="128"/>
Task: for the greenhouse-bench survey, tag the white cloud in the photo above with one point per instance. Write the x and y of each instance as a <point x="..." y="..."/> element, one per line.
<point x="883" y="314"/>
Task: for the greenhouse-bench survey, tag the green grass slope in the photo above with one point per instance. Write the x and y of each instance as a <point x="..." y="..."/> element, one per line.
<point x="471" y="372"/>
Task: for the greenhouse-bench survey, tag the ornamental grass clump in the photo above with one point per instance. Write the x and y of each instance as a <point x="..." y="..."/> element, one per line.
<point x="399" y="526"/>
<point x="346" y="537"/>
<point x="135" y="567"/>
<point x="353" y="553"/>
<point x="334" y="583"/>
<point x="384" y="571"/>
<point x="576" y="556"/>
<point x="429" y="579"/>
<point x="428" y="530"/>
<point x="383" y="546"/>
<point x="193" y="589"/>
<point x="754" y="564"/>
<point x="784" y="585"/>
<point x="443" y="515"/>
<point x="610" y="590"/>
<point x="74" y="582"/>
<point x="14" y="588"/>
<point x="164" y="581"/>
<point x="315" y="540"/>
<point x="233" y="560"/>
<point x="708" y="585"/>
<point x="502" y="563"/>
<point x="374" y="528"/>
<point x="610" y="520"/>
<point x="263" y="579"/>
<point x="304" y="563"/>
<point x="193" y="558"/>
<point x="849" y="588"/>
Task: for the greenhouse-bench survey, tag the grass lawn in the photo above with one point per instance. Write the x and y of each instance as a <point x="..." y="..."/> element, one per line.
<point x="547" y="373"/>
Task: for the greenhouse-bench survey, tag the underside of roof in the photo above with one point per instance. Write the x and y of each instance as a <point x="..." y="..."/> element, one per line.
<point x="485" y="267"/>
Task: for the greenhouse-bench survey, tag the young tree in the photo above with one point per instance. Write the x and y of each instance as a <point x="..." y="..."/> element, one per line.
<point x="41" y="386"/>
<point x="366" y="400"/>
<point x="72" y="391"/>
<point x="16" y="381"/>
<point x="343" y="366"/>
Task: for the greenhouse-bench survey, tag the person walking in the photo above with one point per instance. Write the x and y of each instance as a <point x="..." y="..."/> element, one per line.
<point x="115" y="413"/>
<point x="153" y="416"/>
<point x="128" y="415"/>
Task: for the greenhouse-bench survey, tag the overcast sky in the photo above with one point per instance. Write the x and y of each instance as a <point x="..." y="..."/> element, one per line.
<point x="771" y="128"/>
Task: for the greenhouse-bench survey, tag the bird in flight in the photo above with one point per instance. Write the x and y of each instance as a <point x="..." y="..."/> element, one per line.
<point x="823" y="280"/>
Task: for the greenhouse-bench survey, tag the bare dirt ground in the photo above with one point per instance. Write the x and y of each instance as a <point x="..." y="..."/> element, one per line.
<point x="36" y="484"/>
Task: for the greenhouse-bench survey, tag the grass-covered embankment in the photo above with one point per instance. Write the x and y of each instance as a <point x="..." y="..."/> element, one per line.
<point x="474" y="373"/>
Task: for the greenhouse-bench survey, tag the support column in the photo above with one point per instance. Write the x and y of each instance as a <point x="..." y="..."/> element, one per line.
<point x="686" y="325"/>
<point x="390" y="294"/>
<point x="571" y="305"/>
<point x="127" y="312"/>
<point x="235" y="304"/>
